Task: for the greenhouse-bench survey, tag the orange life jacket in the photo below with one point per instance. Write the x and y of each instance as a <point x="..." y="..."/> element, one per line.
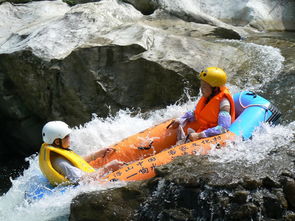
<point x="206" y="115"/>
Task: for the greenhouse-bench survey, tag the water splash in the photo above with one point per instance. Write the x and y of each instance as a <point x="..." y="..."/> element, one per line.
<point x="101" y="132"/>
<point x="55" y="206"/>
<point x="265" y="140"/>
<point x="263" y="64"/>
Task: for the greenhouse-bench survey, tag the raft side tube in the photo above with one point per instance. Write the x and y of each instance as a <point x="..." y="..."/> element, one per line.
<point x="145" y="169"/>
<point x="251" y="111"/>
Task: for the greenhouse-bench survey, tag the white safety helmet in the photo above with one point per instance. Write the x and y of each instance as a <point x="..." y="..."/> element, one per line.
<point x="53" y="130"/>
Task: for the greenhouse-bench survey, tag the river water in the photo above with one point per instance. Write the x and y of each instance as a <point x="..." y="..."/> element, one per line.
<point x="266" y="77"/>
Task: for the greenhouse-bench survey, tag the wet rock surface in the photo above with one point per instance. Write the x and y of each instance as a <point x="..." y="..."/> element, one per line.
<point x="195" y="187"/>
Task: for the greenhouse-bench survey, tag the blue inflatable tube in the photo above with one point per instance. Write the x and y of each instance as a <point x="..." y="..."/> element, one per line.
<point x="251" y="111"/>
<point x="39" y="187"/>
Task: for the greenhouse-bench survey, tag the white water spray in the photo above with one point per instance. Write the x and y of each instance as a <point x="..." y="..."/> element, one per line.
<point x="263" y="64"/>
<point x="265" y="139"/>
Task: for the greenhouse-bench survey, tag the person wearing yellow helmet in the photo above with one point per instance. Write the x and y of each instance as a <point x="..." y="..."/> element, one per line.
<point x="214" y="112"/>
<point x="60" y="165"/>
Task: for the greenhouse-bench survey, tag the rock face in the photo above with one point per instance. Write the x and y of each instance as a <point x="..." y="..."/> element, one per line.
<point x="145" y="7"/>
<point x="194" y="188"/>
<point x="267" y="15"/>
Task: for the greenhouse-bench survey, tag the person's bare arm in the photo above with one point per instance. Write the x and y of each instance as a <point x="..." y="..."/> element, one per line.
<point x="114" y="165"/>
<point x="109" y="167"/>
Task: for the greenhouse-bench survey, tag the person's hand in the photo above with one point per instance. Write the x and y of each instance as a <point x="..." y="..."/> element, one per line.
<point x="101" y="172"/>
<point x="99" y="154"/>
<point x="174" y="124"/>
<point x="195" y="136"/>
<point x="114" y="165"/>
<point x="104" y="152"/>
<point x="107" y="151"/>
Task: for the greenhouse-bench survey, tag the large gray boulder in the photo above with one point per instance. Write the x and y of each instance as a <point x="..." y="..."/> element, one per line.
<point x="263" y="15"/>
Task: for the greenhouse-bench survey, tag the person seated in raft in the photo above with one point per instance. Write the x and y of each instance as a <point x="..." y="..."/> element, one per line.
<point x="59" y="164"/>
<point x="214" y="112"/>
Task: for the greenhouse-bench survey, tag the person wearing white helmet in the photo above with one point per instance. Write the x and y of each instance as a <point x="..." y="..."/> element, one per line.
<point x="60" y="164"/>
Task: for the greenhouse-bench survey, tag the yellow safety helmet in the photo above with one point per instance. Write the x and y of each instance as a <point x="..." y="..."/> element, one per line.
<point x="214" y="76"/>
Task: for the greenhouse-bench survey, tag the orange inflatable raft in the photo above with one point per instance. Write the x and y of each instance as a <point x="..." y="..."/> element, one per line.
<point x="156" y="146"/>
<point x="145" y="169"/>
